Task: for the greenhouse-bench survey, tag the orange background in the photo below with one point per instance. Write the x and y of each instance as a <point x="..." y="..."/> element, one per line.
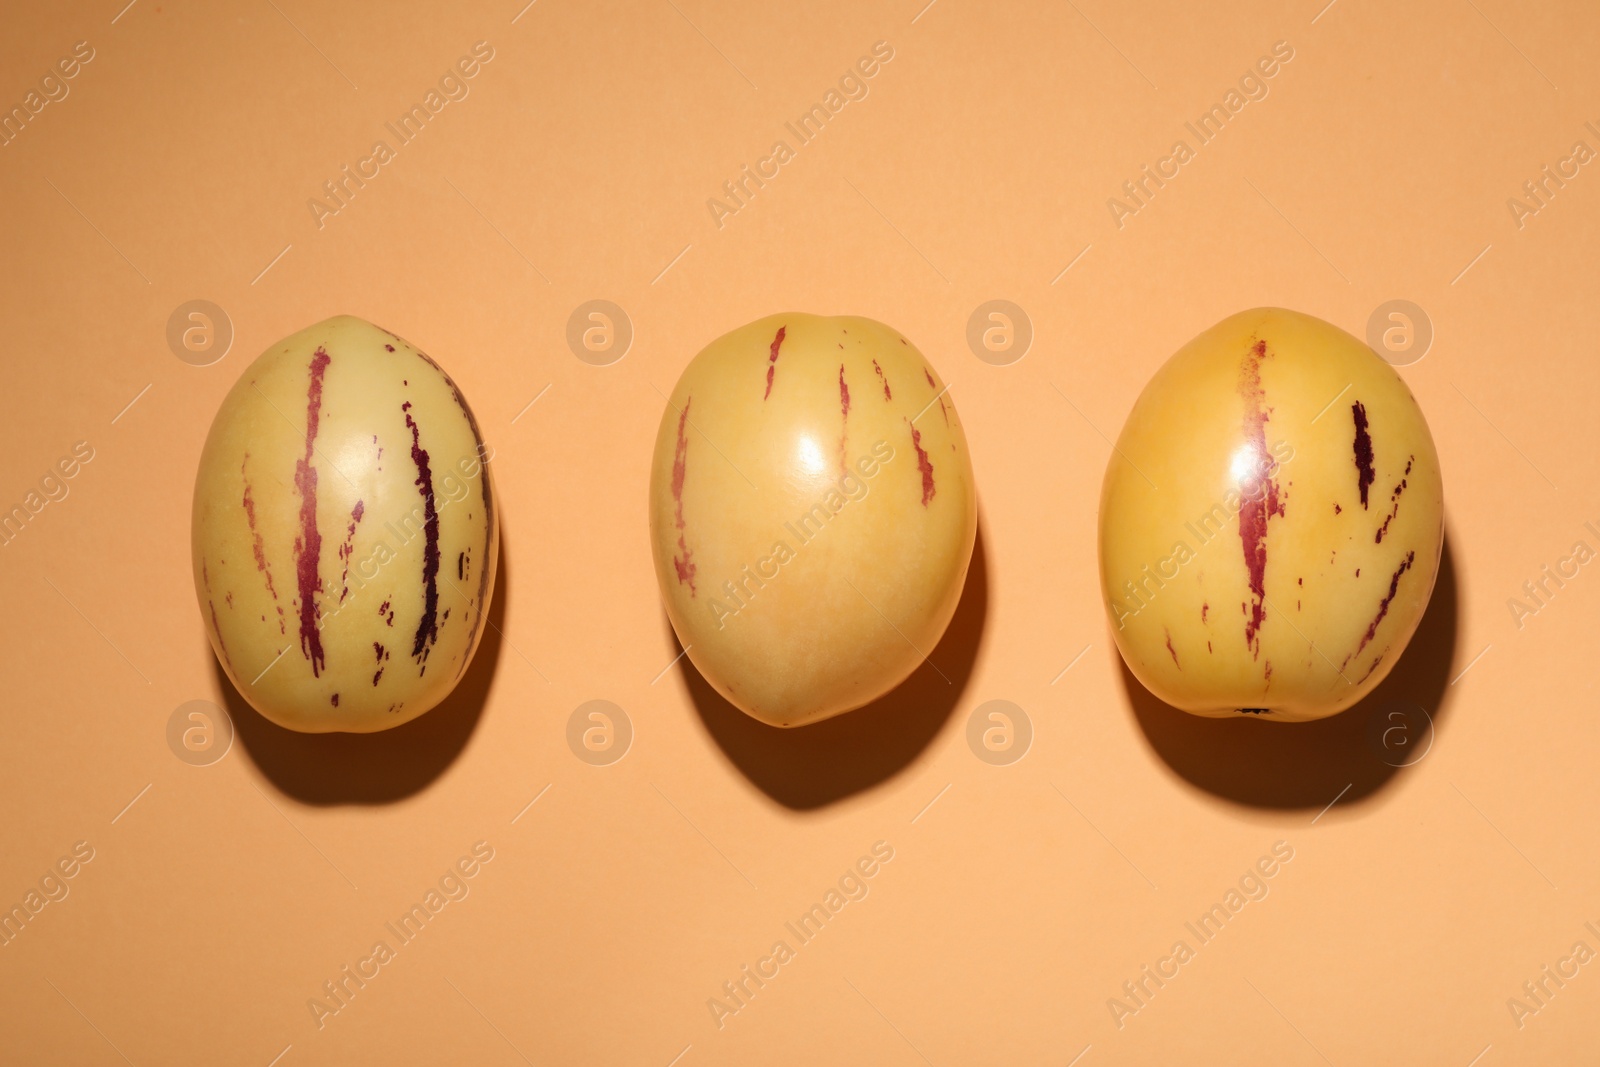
<point x="1020" y="897"/>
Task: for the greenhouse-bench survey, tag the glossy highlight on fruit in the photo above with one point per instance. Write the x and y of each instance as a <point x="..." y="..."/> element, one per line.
<point x="812" y="514"/>
<point x="344" y="535"/>
<point x="1271" y="521"/>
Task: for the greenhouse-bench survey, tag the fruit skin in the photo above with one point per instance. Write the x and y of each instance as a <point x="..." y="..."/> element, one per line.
<point x="1316" y="467"/>
<point x="344" y="535"/>
<point x="812" y="514"/>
